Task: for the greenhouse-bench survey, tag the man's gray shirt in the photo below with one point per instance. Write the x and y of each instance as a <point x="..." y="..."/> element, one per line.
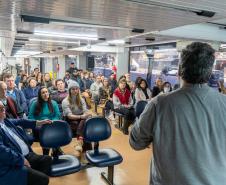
<point x="188" y="131"/>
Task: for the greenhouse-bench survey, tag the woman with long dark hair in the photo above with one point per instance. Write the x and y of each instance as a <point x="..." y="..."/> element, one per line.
<point x="44" y="108"/>
<point x="142" y="91"/>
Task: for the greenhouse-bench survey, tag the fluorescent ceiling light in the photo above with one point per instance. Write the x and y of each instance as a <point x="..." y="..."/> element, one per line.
<point x="116" y="42"/>
<point x="57" y="41"/>
<point x="63" y="35"/>
<point x="88" y="25"/>
<point x="27" y="53"/>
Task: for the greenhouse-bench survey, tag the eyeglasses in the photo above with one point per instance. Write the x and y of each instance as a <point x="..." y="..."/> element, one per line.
<point x="2" y="109"/>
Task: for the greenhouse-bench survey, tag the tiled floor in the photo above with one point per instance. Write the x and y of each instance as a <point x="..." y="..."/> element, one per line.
<point x="134" y="170"/>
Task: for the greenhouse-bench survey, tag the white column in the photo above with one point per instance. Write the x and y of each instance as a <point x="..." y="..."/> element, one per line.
<point x="62" y="70"/>
<point x="122" y="62"/>
<point x="82" y="62"/>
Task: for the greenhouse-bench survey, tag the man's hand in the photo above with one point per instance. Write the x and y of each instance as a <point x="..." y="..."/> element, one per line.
<point x="43" y="122"/>
<point x="26" y="163"/>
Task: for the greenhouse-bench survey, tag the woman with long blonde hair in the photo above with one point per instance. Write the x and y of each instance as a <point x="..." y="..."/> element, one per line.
<point x="76" y="113"/>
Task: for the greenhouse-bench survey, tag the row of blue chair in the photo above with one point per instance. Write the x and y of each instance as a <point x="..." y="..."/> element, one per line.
<point x="96" y="129"/>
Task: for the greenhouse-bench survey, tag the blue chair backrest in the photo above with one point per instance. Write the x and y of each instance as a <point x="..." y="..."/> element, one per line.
<point x="32" y="100"/>
<point x="97" y="129"/>
<point x="140" y="107"/>
<point x="55" y="135"/>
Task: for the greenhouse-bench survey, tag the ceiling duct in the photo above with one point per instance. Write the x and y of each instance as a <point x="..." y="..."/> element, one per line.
<point x="47" y="20"/>
<point x="150" y="39"/>
<point x="29" y="18"/>
<point x="137" y="30"/>
<point x="204" y="13"/>
<point x="24" y="32"/>
<point x="21" y="39"/>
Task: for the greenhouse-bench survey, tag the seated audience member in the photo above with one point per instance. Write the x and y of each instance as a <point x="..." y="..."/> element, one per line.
<point x="124" y="78"/>
<point x="92" y="77"/>
<point x="76" y="77"/>
<point x="31" y="91"/>
<point x="128" y="81"/>
<point x="16" y="94"/>
<point x="60" y="94"/>
<point x="222" y="89"/>
<point x="47" y="80"/>
<point x="142" y="91"/>
<point x="53" y="88"/>
<point x="23" y="82"/>
<point x="94" y="89"/>
<point x="19" y="165"/>
<point x="112" y="82"/>
<point x="102" y="78"/>
<point x="35" y="72"/>
<point x="123" y="103"/>
<point x="87" y="94"/>
<point x="44" y="108"/>
<point x="176" y="86"/>
<point x="39" y="79"/>
<point x="166" y="87"/>
<point x="18" y="78"/>
<point x="106" y="93"/>
<point x="157" y="88"/>
<point x="86" y="81"/>
<point x="66" y="78"/>
<point x="8" y="102"/>
<point x="75" y="112"/>
<point x="138" y="80"/>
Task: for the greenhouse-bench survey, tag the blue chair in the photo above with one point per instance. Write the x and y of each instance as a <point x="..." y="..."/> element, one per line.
<point x="98" y="129"/>
<point x="140" y="106"/>
<point x="56" y="135"/>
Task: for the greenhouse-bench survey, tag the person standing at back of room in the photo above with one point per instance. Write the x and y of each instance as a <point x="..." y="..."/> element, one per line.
<point x="187" y="127"/>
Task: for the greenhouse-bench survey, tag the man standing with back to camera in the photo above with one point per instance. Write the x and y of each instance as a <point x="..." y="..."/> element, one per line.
<point x="187" y="127"/>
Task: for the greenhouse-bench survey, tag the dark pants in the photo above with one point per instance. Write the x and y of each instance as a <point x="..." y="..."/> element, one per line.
<point x="109" y="105"/>
<point x="77" y="127"/>
<point x="40" y="168"/>
<point x="129" y="115"/>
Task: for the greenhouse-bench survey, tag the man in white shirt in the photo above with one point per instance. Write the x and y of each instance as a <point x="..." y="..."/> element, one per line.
<point x="18" y="163"/>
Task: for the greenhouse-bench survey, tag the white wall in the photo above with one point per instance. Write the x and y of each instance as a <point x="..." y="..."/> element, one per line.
<point x="122" y="62"/>
<point x="82" y="62"/>
<point x="61" y="62"/>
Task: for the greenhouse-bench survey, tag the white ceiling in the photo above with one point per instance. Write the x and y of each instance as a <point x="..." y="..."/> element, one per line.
<point x="114" y="19"/>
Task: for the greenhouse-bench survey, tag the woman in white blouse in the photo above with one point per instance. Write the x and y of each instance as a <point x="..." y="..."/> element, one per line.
<point x="142" y="91"/>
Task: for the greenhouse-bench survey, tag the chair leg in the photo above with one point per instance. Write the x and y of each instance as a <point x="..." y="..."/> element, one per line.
<point x="110" y="177"/>
<point x="95" y="104"/>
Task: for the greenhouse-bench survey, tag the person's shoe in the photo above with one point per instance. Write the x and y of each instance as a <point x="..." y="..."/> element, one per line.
<point x="83" y="159"/>
<point x="111" y="117"/>
<point x="57" y="152"/>
<point x="78" y="145"/>
<point x="45" y="151"/>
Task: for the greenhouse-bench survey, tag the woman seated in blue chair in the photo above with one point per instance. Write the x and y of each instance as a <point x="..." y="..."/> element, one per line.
<point x="123" y="104"/>
<point x="44" y="108"/>
<point x="76" y="113"/>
